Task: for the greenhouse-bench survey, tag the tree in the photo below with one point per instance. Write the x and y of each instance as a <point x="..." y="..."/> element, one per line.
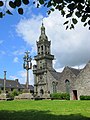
<point x="71" y="9"/>
<point x="14" y="4"/>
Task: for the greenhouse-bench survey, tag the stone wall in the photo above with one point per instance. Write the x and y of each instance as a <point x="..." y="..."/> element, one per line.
<point x="67" y="74"/>
<point x="50" y="80"/>
<point x="82" y="83"/>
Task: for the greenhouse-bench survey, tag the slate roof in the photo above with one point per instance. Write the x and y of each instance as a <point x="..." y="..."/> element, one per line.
<point x="10" y="84"/>
<point x="58" y="75"/>
<point x="55" y="74"/>
<point x="30" y="87"/>
<point x="14" y="84"/>
<point x="75" y="71"/>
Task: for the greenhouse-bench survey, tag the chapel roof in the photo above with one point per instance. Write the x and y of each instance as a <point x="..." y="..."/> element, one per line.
<point x="75" y="71"/>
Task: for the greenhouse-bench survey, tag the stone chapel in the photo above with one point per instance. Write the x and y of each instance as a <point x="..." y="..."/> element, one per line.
<point x="47" y="80"/>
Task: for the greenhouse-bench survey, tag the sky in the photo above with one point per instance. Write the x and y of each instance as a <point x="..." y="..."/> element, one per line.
<point x="19" y="33"/>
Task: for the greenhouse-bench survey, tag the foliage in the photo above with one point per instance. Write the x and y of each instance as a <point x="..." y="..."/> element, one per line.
<point x="60" y="96"/>
<point x="13" y="94"/>
<point x="83" y="97"/>
<point x="71" y="9"/>
<point x="14" y="4"/>
<point x="44" y="110"/>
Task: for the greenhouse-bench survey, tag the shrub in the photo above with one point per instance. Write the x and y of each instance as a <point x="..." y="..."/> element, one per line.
<point x="12" y="94"/>
<point x="83" y="97"/>
<point x="60" y="96"/>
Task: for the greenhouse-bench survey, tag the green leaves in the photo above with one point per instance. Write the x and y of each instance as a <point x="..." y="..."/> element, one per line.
<point x="17" y="3"/>
<point x="49" y="4"/>
<point x="78" y="14"/>
<point x="68" y="15"/>
<point x="89" y="22"/>
<point x="12" y="4"/>
<point x="41" y="2"/>
<point x="71" y="6"/>
<point x="58" y="1"/>
<point x="1" y="3"/>
<point x="1" y="14"/>
<point x="26" y="2"/>
<point x="68" y="8"/>
<point x="74" y="20"/>
<point x="20" y="11"/>
<point x="85" y="24"/>
<point x="8" y="11"/>
<point x="66" y="22"/>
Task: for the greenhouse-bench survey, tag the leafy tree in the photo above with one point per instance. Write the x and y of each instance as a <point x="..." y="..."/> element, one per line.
<point x="71" y="9"/>
<point x="14" y="4"/>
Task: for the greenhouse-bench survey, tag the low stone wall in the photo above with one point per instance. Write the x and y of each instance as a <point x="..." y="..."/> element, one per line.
<point x="3" y="96"/>
<point x="24" y="96"/>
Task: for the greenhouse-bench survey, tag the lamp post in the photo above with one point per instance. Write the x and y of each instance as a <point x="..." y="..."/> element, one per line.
<point x="5" y="81"/>
<point x="27" y="65"/>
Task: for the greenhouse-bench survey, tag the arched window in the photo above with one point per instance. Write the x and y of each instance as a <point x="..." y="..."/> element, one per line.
<point x="67" y="84"/>
<point x="54" y="87"/>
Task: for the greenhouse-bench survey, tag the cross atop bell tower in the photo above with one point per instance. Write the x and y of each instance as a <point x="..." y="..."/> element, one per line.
<point x="42" y="29"/>
<point x="43" y="36"/>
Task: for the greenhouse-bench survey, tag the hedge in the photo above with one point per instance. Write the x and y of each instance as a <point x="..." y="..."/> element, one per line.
<point x="60" y="96"/>
<point x="83" y="97"/>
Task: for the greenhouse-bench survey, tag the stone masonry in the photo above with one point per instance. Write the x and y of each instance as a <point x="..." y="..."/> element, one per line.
<point x="47" y="80"/>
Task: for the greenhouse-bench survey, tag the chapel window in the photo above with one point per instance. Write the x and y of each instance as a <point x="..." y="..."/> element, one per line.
<point x="54" y="87"/>
<point x="67" y="84"/>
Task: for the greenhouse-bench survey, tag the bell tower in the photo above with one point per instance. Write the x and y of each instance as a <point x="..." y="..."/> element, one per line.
<point x="43" y="64"/>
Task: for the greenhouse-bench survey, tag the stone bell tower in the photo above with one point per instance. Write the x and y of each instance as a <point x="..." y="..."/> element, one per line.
<point x="43" y="64"/>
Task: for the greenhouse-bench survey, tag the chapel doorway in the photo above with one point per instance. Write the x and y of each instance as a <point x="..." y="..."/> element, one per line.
<point x="41" y="92"/>
<point x="75" y="95"/>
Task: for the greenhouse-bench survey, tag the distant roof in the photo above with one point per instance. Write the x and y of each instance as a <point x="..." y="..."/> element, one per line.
<point x="29" y="86"/>
<point x="10" y="84"/>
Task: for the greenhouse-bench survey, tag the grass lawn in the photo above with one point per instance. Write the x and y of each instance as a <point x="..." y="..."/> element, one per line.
<point x="44" y="110"/>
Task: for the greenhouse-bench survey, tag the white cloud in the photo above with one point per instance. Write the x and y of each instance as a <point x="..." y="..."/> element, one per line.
<point x="21" y="76"/>
<point x="70" y="47"/>
<point x="28" y="29"/>
<point x="12" y="77"/>
<point x="15" y="60"/>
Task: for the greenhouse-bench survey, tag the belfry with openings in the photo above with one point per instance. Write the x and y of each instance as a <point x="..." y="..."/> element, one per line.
<point x="44" y="63"/>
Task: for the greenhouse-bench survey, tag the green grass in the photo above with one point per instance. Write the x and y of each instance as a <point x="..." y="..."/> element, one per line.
<point x="44" y="110"/>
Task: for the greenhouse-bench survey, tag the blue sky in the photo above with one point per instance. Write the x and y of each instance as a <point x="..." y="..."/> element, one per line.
<point x="13" y="46"/>
<point x="19" y="33"/>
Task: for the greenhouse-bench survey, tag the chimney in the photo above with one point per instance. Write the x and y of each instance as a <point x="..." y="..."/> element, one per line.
<point x="16" y="80"/>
